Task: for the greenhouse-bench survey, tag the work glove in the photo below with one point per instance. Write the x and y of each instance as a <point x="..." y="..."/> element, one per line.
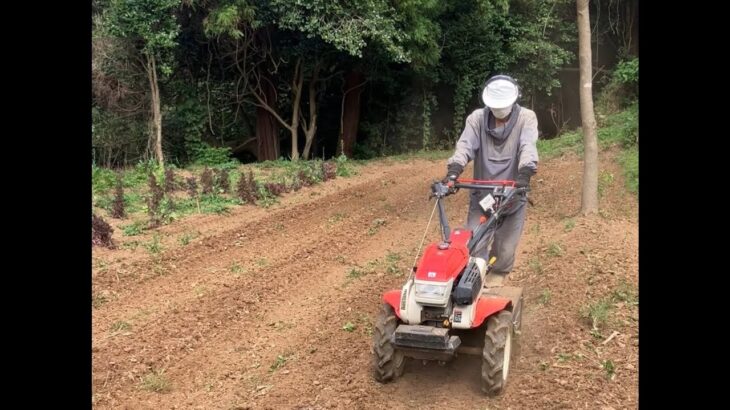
<point x="523" y="177"/>
<point x="453" y="171"/>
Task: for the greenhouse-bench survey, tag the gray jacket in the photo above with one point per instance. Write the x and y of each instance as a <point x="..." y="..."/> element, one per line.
<point x="498" y="153"/>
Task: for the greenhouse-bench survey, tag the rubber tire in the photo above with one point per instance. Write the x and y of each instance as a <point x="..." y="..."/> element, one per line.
<point x="388" y="362"/>
<point x="499" y="327"/>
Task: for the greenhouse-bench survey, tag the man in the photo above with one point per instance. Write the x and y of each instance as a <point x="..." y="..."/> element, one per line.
<point x="501" y="140"/>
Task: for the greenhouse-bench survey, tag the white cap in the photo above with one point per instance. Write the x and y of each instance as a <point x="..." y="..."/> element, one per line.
<point x="500" y="94"/>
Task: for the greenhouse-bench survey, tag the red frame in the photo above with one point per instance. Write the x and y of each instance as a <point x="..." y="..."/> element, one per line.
<point x="457" y="256"/>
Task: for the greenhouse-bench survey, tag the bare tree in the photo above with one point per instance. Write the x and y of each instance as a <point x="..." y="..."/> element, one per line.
<point x="350" y="110"/>
<point x="156" y="121"/>
<point x="589" y="203"/>
<point x="310" y="128"/>
<point x="257" y="89"/>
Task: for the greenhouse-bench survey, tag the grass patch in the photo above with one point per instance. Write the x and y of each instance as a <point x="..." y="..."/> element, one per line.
<point x="625" y="292"/>
<point x="236" y="268"/>
<point x="215" y="204"/>
<point x="186" y="238"/>
<point x="545" y="297"/>
<point x="155" y="246"/>
<point x="569" y="224"/>
<point x="605" y="180"/>
<point x="337" y="217"/>
<point x="120" y="326"/>
<point x="536" y="265"/>
<point x="98" y="300"/>
<point x="609" y="368"/>
<point x="280" y="362"/>
<point x="629" y="160"/>
<point x="133" y="229"/>
<point x="355" y="273"/>
<point x="571" y="141"/>
<point x="157" y="382"/>
<point x="375" y="225"/>
<point x="391" y="263"/>
<point x="597" y="312"/>
<point x="555" y="250"/>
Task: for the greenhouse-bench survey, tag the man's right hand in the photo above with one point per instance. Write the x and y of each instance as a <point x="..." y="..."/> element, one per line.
<point x="453" y="171"/>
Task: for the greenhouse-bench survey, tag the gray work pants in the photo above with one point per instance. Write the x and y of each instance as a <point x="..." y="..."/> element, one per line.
<point x="506" y="237"/>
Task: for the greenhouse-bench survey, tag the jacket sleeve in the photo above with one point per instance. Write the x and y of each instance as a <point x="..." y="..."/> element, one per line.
<point x="528" y="143"/>
<point x="468" y="144"/>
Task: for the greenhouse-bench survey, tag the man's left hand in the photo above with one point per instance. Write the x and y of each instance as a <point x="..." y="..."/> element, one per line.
<point x="523" y="177"/>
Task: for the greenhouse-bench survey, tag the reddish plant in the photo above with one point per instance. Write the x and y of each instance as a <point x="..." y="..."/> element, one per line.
<point x="329" y="170"/>
<point x="154" y="200"/>
<point x="170" y="185"/>
<point x="296" y="184"/>
<point x="275" y="188"/>
<point x="206" y="179"/>
<point x="223" y="181"/>
<point x="305" y="179"/>
<point x="101" y="232"/>
<point x="118" y="202"/>
<point x="192" y="185"/>
<point x="247" y="188"/>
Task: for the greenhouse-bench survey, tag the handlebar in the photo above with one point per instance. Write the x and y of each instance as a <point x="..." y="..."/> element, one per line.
<point x="440" y="190"/>
<point x="504" y="191"/>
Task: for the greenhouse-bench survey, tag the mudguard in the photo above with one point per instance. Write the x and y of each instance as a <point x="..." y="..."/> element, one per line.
<point x="392" y="297"/>
<point x="487" y="307"/>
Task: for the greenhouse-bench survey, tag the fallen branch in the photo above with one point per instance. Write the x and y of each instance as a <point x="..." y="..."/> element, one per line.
<point x="610" y="337"/>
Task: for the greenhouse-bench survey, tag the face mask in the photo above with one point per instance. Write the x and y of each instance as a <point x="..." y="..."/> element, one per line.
<point x="501" y="112"/>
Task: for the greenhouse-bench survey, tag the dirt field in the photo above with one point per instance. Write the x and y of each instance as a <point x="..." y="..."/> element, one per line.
<point x="273" y="308"/>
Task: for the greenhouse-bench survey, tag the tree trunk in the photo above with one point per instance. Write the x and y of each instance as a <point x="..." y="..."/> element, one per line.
<point x="267" y="127"/>
<point x="310" y="129"/>
<point x="297" y="83"/>
<point x="589" y="202"/>
<point x="156" y="116"/>
<point x="633" y="19"/>
<point x="350" y="111"/>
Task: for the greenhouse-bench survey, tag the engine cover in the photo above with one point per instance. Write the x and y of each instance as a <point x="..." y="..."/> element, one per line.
<point x="469" y="285"/>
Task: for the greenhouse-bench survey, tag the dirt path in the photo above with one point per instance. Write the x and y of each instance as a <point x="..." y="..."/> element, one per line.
<point x="251" y="313"/>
